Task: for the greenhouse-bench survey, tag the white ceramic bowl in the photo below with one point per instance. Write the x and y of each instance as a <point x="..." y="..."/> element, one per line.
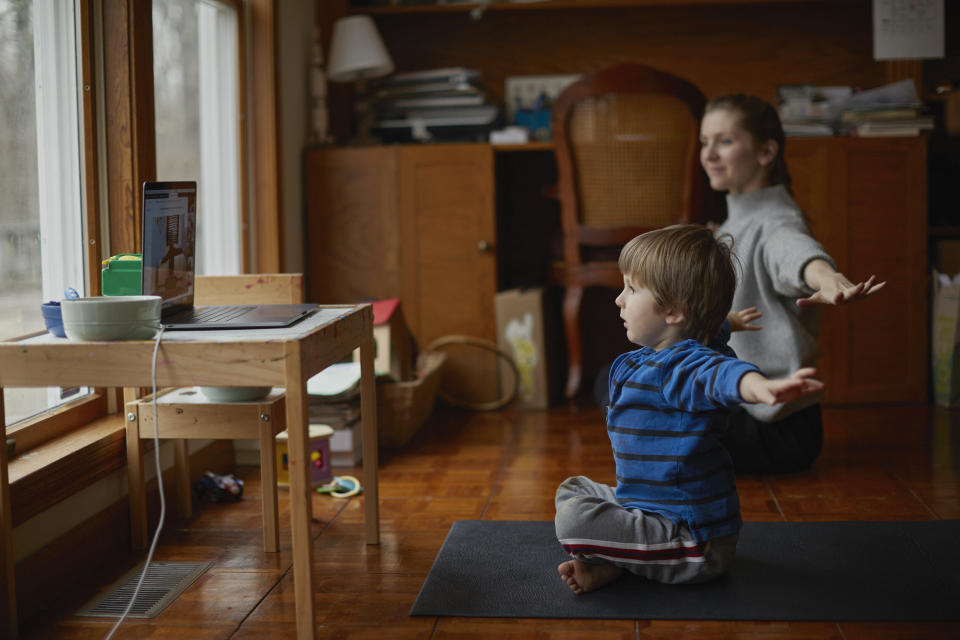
<point x="235" y="394"/>
<point x="111" y="317"/>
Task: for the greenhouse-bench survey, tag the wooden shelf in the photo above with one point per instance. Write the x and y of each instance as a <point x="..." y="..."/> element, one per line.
<point x="526" y="146"/>
<point x="553" y="5"/>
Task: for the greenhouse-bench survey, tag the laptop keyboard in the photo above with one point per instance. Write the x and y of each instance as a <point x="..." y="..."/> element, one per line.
<point x="213" y="314"/>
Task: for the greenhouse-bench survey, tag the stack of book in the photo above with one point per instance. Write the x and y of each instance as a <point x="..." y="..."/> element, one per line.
<point x="897" y="121"/>
<point x="334" y="400"/>
<point x="446" y="104"/>
<point x="890" y="110"/>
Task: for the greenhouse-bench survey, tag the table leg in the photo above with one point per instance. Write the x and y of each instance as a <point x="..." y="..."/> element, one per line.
<point x="8" y="589"/>
<point x="135" y="483"/>
<point x="301" y="492"/>
<point x="368" y="430"/>
<point x="181" y="465"/>
<point x="268" y="487"/>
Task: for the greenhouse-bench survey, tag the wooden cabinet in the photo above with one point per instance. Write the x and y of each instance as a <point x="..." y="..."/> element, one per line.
<point x="447" y="229"/>
<point x="414" y="222"/>
<point x="353" y="224"/>
<point x="866" y="201"/>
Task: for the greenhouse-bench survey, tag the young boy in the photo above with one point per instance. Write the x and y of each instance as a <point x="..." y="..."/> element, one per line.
<point x="674" y="515"/>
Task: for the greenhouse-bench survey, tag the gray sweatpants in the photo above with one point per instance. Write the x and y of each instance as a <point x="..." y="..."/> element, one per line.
<point x="594" y="528"/>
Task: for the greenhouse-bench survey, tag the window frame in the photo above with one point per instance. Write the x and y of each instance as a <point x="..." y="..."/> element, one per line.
<point x="267" y="255"/>
<point x="116" y="80"/>
<point x="214" y="128"/>
<point x="55" y="421"/>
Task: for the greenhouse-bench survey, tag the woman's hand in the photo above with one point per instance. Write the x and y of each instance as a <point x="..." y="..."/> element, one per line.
<point x="832" y="287"/>
<point x="740" y="320"/>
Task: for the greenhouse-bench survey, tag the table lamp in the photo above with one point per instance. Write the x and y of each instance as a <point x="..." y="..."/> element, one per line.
<point x="357" y="54"/>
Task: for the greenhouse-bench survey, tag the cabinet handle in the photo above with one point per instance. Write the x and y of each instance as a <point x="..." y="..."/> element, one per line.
<point x="484" y="247"/>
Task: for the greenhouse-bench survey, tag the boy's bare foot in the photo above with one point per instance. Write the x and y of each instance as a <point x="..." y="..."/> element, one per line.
<point x="582" y="577"/>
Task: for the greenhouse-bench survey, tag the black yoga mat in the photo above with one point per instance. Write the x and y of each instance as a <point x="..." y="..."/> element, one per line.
<point x="832" y="571"/>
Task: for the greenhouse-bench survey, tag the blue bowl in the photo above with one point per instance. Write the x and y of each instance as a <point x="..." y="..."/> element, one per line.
<point x="53" y="318"/>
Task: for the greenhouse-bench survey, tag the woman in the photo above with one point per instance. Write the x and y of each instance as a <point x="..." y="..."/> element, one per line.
<point x="786" y="273"/>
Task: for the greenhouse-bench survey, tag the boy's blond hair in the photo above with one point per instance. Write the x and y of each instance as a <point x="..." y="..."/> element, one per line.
<point x="685" y="268"/>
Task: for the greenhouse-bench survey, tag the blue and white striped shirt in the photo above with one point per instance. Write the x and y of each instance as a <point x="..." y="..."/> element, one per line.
<point x="663" y="421"/>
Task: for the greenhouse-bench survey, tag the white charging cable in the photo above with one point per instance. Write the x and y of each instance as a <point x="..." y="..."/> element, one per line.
<point x="163" y="505"/>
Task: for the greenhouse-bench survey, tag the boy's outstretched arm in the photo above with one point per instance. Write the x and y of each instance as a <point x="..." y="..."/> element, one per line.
<point x="755" y="388"/>
<point x="740" y="320"/>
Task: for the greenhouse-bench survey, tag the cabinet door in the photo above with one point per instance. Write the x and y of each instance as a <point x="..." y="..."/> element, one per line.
<point x="820" y="198"/>
<point x="353" y="228"/>
<point x="866" y="201"/>
<point x="447" y="255"/>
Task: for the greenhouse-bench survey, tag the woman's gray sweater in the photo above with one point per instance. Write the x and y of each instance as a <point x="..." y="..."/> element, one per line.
<point x="773" y="245"/>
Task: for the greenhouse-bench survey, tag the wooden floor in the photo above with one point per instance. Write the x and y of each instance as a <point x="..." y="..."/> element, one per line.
<point x="894" y="463"/>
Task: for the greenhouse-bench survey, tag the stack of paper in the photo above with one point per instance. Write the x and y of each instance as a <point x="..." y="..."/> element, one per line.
<point x="337" y="382"/>
<point x="444" y="103"/>
<point x="891" y="110"/>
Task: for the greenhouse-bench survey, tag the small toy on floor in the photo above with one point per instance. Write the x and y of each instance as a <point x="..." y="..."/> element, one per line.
<point x="341" y="487"/>
<point x="218" y="488"/>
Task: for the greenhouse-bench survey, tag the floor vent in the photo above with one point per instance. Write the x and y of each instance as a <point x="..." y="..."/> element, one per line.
<point x="164" y="582"/>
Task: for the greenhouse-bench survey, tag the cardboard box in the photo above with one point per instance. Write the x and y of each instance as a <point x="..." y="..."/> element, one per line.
<point x="526" y="329"/>
<point x="346" y="447"/>
<point x="945" y="332"/>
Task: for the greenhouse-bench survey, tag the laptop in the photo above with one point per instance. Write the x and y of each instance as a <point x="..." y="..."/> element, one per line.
<point x="169" y="267"/>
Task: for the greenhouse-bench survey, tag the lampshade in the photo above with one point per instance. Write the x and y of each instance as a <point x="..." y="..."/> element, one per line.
<point x="356" y="51"/>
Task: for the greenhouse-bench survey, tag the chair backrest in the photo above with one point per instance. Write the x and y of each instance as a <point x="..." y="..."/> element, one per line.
<point x="251" y="288"/>
<point x="627" y="147"/>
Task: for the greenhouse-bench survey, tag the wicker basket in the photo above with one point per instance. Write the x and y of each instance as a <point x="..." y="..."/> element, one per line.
<point x="403" y="407"/>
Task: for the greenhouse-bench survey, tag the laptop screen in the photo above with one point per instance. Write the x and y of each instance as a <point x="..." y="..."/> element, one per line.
<point x="169" y="242"/>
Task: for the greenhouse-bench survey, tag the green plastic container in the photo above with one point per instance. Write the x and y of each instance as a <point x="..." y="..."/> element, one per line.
<point x="120" y="275"/>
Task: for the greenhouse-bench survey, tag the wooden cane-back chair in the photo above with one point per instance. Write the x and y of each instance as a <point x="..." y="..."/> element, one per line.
<point x="626" y="143"/>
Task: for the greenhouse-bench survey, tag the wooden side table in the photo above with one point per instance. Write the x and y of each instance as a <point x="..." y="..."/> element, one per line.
<point x="262" y="357"/>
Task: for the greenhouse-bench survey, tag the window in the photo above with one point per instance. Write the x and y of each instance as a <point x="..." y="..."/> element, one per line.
<point x="196" y="61"/>
<point x="42" y="250"/>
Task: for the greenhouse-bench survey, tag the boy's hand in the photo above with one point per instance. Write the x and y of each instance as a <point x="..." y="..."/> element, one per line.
<point x="740" y="320"/>
<point x="755" y="388"/>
